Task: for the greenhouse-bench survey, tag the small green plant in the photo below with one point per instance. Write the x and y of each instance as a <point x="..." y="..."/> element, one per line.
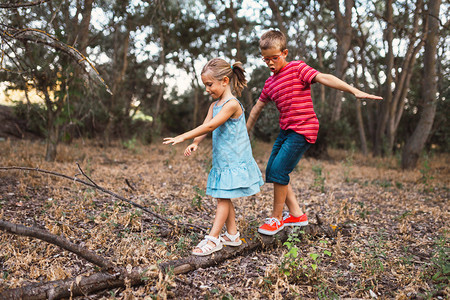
<point x="324" y="292"/>
<point x="130" y="144"/>
<point x="439" y="268"/>
<point x="299" y="268"/>
<point x="426" y="176"/>
<point x="319" y="180"/>
<point x="198" y="197"/>
<point x="348" y="163"/>
<point x="373" y="261"/>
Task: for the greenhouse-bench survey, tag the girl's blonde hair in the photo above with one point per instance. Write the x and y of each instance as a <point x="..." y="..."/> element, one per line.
<point x="220" y="68"/>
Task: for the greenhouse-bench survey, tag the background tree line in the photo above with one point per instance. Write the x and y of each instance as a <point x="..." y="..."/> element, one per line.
<point x="397" y="49"/>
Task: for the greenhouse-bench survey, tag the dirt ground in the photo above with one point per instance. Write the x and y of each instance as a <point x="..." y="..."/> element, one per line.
<point x="397" y="248"/>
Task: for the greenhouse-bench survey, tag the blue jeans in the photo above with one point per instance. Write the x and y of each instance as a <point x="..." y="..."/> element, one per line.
<point x="286" y="153"/>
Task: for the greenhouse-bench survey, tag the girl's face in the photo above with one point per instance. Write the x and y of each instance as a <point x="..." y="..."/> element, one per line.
<point x="214" y="87"/>
<point x="274" y="59"/>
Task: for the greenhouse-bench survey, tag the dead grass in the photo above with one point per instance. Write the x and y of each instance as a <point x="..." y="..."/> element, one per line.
<point x="399" y="222"/>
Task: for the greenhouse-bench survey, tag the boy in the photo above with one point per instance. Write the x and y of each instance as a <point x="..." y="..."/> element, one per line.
<point x="290" y="88"/>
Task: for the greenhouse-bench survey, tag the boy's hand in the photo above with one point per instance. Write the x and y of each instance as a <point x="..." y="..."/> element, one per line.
<point x="363" y="95"/>
<point x="173" y="140"/>
<point x="189" y="149"/>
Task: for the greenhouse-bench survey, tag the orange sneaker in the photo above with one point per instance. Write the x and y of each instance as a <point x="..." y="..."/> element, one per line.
<point x="289" y="220"/>
<point x="271" y="226"/>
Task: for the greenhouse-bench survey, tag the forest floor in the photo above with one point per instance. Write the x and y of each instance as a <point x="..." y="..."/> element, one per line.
<point x="397" y="246"/>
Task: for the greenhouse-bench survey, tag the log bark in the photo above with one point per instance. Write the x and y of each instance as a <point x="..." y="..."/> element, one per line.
<point x="81" y="285"/>
<point x="249" y="244"/>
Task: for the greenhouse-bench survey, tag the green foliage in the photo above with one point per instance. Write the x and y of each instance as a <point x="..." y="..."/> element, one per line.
<point x="426" y="176"/>
<point x="34" y="115"/>
<point x="439" y="268"/>
<point x="319" y="180"/>
<point x="199" y="195"/>
<point x="300" y="268"/>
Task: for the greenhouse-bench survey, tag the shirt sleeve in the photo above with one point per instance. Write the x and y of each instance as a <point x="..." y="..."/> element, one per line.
<point x="306" y="73"/>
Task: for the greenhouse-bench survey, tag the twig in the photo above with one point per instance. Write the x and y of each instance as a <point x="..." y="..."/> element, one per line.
<point x="17" y="5"/>
<point x="183" y="225"/>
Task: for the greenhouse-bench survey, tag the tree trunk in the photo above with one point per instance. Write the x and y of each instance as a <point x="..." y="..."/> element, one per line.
<point x="277" y="16"/>
<point x="344" y="37"/>
<point x="416" y="142"/>
<point x="359" y="118"/>
<point x="380" y="141"/>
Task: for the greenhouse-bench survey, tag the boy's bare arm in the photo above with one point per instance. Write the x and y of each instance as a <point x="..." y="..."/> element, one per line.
<point x="334" y="82"/>
<point x="254" y="114"/>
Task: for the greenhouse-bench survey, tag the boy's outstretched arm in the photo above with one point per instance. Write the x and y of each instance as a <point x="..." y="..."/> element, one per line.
<point x="336" y="83"/>
<point x="254" y="114"/>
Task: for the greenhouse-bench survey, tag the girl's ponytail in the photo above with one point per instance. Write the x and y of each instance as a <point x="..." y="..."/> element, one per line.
<point x="238" y="79"/>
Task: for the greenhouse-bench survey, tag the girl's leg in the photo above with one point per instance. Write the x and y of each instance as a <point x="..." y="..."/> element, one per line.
<point x="222" y="214"/>
<point x="231" y="220"/>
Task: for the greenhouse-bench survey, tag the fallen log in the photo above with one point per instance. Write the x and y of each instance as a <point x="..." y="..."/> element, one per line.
<point x="81" y="285"/>
<point x="249" y="244"/>
<point x="85" y="285"/>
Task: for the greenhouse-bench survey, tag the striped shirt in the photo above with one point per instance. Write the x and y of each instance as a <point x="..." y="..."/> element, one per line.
<point x="290" y="89"/>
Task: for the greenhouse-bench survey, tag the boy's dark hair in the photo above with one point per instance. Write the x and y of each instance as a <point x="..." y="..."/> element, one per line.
<point x="272" y="39"/>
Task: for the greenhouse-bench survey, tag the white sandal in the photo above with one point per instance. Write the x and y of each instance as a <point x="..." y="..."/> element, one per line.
<point x="232" y="241"/>
<point x="206" y="248"/>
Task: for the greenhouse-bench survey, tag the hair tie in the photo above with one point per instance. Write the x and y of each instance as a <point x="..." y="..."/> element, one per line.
<point x="232" y="67"/>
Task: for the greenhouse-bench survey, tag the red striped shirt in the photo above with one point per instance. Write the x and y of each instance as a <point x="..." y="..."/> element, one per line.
<point x="290" y="89"/>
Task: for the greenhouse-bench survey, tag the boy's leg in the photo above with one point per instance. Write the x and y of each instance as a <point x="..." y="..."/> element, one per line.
<point x="279" y="198"/>
<point x="292" y="203"/>
<point x="284" y="194"/>
<point x="287" y="151"/>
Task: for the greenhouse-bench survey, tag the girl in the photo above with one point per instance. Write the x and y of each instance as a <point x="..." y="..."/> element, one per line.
<point x="234" y="172"/>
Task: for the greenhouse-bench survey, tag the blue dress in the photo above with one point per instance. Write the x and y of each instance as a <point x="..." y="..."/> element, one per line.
<point x="234" y="171"/>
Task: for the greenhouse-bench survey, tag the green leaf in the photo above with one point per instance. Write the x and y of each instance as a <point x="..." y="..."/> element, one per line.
<point x="314" y="256"/>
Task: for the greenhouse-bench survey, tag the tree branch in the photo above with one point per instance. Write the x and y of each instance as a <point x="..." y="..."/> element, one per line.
<point x="17" y="5"/>
<point x="56" y="240"/>
<point x="39" y="36"/>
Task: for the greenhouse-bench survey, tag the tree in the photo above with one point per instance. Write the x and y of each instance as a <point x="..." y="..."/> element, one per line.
<point x="416" y="142"/>
<point x="49" y="72"/>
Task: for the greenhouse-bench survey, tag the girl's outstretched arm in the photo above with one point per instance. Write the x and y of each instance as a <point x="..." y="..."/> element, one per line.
<point x="228" y="110"/>
<point x="334" y="82"/>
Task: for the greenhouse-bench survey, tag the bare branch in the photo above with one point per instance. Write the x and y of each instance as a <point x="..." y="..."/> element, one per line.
<point x="56" y="240"/>
<point x="17" y="5"/>
<point x="42" y="37"/>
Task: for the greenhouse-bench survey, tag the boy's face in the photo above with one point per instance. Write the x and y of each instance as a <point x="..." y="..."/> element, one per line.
<point x="274" y="58"/>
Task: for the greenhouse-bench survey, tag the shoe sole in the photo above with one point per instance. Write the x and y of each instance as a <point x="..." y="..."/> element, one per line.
<point x="267" y="232"/>
<point x="297" y="224"/>
<point x="234" y="244"/>
<point x="207" y="253"/>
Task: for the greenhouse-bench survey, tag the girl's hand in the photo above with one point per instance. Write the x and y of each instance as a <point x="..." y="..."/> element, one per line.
<point x="189" y="149"/>
<point x="173" y="140"/>
<point x="363" y="95"/>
